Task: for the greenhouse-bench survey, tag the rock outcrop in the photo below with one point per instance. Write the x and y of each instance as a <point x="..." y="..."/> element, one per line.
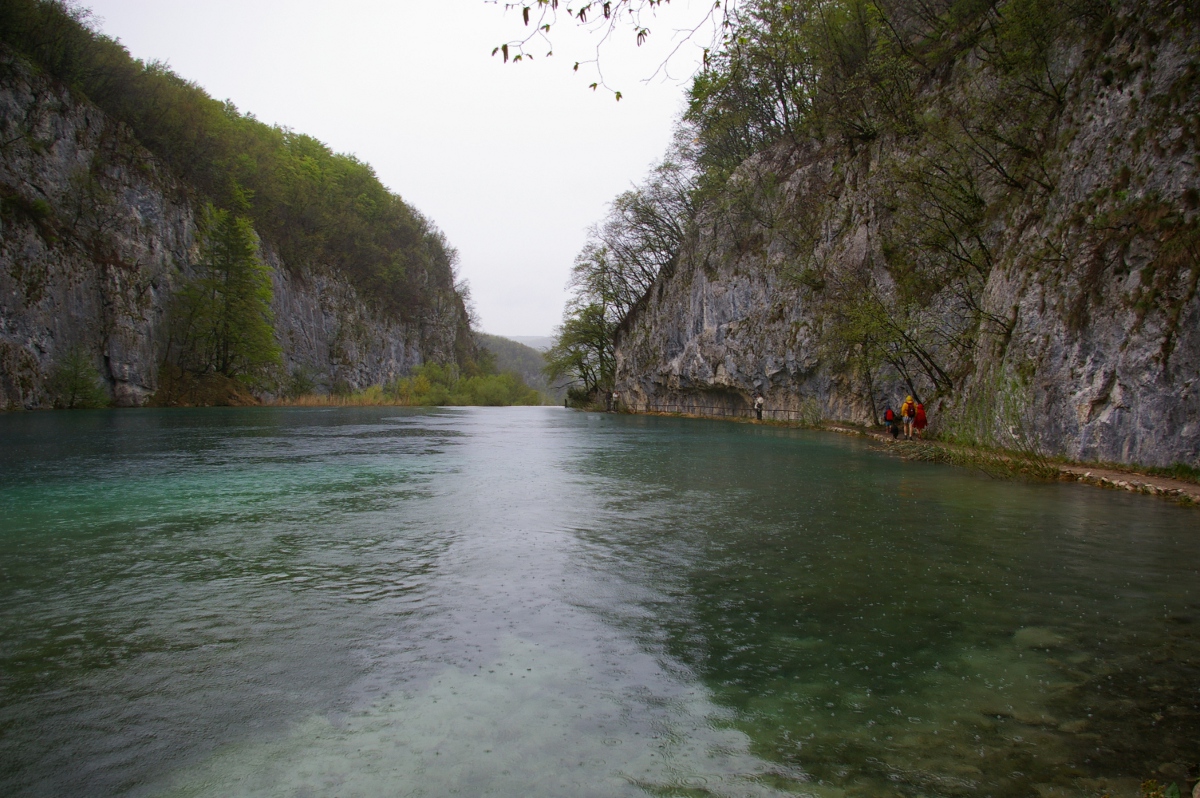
<point x="1084" y="335"/>
<point x="96" y="237"/>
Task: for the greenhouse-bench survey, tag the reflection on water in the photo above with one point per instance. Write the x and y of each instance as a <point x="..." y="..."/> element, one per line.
<point x="530" y="601"/>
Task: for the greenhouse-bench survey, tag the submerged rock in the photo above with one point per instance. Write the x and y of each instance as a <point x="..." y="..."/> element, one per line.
<point x="1038" y="637"/>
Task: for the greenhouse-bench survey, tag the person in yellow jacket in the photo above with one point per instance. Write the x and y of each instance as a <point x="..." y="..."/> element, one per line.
<point x="908" y="411"/>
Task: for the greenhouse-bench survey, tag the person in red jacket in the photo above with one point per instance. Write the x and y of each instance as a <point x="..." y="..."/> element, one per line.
<point x="919" y="420"/>
<point x="890" y="422"/>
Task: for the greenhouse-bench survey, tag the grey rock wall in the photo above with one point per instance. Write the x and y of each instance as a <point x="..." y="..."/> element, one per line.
<point x="1093" y="284"/>
<point x="95" y="238"/>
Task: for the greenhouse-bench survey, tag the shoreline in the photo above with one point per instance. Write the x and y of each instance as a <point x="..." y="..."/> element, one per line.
<point x="1102" y="475"/>
<point x="996" y="463"/>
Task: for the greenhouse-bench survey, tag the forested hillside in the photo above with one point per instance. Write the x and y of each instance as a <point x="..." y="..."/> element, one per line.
<point x="361" y="287"/>
<point x="990" y="205"/>
<point x="316" y="207"/>
<point x="524" y="361"/>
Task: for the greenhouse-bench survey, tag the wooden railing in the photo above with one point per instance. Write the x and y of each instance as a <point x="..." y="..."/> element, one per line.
<point x="718" y="411"/>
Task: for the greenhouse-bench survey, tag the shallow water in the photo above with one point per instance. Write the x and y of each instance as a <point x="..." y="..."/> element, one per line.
<point x="537" y="602"/>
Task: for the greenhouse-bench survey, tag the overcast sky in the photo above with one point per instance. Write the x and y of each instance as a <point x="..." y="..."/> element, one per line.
<point x="512" y="162"/>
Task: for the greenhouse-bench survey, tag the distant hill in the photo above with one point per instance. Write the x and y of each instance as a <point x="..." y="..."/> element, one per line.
<point x="520" y="359"/>
<point x="542" y="343"/>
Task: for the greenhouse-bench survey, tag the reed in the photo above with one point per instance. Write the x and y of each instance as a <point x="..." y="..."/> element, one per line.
<point x="367" y="398"/>
<point x="999" y="464"/>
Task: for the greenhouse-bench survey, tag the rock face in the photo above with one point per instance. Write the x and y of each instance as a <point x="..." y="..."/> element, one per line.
<point x="1085" y="341"/>
<point x="95" y="238"/>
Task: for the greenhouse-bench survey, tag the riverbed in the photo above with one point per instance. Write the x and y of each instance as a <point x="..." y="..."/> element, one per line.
<point x="541" y="602"/>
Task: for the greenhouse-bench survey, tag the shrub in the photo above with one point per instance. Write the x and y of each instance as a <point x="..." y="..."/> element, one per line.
<point x="435" y="385"/>
<point x="76" y="383"/>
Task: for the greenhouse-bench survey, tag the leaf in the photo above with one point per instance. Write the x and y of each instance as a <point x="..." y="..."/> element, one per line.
<point x="618" y="96"/>
<point x="504" y="49"/>
<point x="593" y="86"/>
<point x="525" y="13"/>
<point x="576" y="67"/>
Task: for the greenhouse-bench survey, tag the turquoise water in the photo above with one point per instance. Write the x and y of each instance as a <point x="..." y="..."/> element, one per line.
<point x="537" y="602"/>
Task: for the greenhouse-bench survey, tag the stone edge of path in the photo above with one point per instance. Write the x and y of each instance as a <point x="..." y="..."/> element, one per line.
<point x="1165" y="487"/>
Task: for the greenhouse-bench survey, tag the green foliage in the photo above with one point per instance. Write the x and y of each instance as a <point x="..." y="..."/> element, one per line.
<point x="301" y="382"/>
<point x="318" y="208"/>
<point x="180" y="388"/>
<point x="75" y="383"/>
<point x="1152" y="789"/>
<point x="872" y="326"/>
<point x="794" y="69"/>
<point x="1167" y="282"/>
<point x="969" y="97"/>
<point x="638" y="240"/>
<point x="1000" y="465"/>
<point x="510" y="356"/>
<point x="224" y="323"/>
<point x="580" y="398"/>
<point x="583" y="349"/>
<point x="642" y="234"/>
<point x="1180" y="471"/>
<point x="436" y="385"/>
<point x="38" y="212"/>
<point x="996" y="417"/>
<point x="801" y="69"/>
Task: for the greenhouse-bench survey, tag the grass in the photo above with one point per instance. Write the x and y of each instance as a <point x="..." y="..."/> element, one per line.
<point x="371" y="397"/>
<point x="1180" y="471"/>
<point x="999" y="464"/>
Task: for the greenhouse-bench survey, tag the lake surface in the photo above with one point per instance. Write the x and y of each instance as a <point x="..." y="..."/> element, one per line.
<point x="538" y="602"/>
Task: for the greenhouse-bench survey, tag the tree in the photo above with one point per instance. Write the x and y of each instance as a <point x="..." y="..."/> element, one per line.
<point x="316" y="207"/>
<point x="225" y="322"/>
<point x="583" y="349"/>
<point x="605" y="19"/>
<point x="75" y="382"/>
<point x="623" y="256"/>
<point x="641" y="235"/>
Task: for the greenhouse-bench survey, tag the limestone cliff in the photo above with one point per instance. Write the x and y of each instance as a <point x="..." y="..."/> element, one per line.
<point x="1084" y="327"/>
<point x="95" y="237"/>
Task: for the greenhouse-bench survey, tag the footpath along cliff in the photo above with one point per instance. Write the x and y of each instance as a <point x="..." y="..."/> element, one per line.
<point x="1018" y="245"/>
<point x="97" y="236"/>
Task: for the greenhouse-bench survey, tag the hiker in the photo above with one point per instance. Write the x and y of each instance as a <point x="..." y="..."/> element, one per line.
<point x="758" y="405"/>
<point x="616" y="402"/>
<point x="919" y="420"/>
<point x="889" y="421"/>
<point x="908" y="412"/>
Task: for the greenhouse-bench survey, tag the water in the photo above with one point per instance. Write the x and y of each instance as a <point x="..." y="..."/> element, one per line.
<point x="536" y="602"/>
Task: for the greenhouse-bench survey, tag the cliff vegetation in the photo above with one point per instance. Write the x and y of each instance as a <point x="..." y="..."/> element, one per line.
<point x="316" y="207"/>
<point x="340" y="283"/>
<point x="991" y="205"/>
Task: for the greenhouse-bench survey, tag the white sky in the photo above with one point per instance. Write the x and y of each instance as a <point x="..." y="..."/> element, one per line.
<point x="512" y="162"/>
